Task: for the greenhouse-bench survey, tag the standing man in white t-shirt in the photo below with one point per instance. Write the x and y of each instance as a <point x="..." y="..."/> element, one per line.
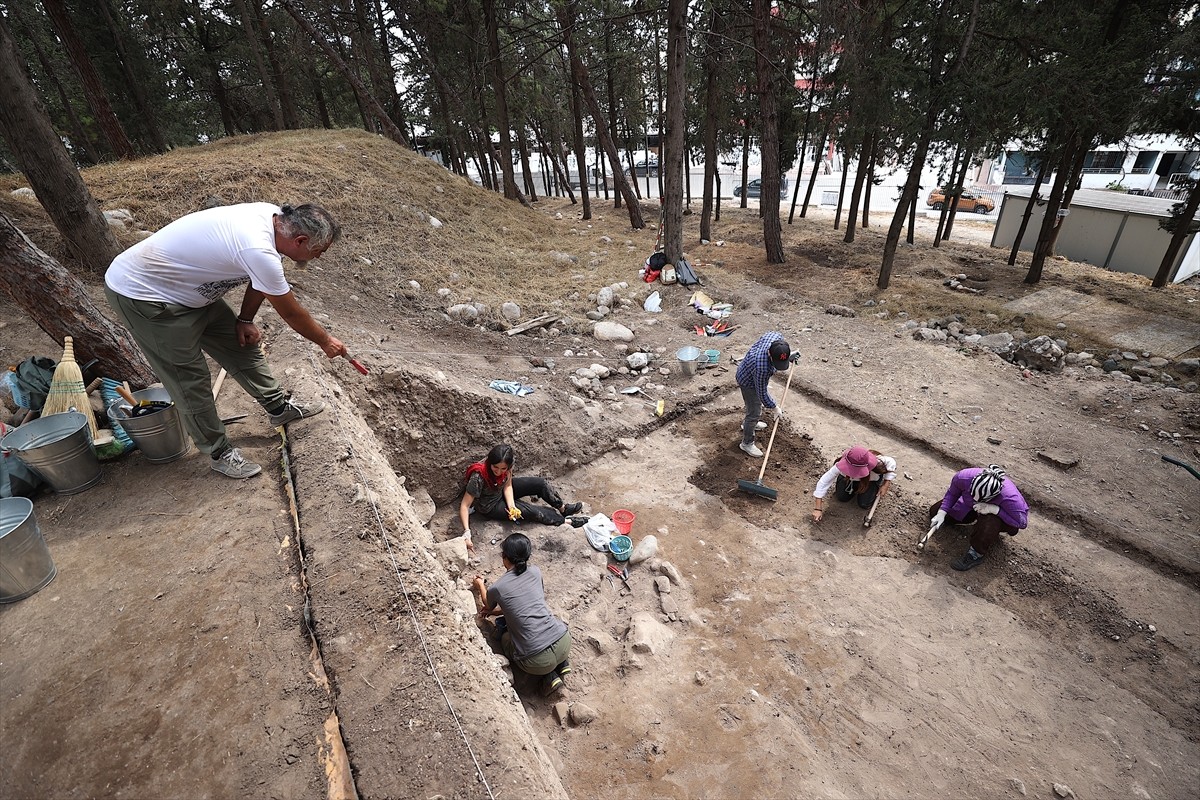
<point x="168" y="290"/>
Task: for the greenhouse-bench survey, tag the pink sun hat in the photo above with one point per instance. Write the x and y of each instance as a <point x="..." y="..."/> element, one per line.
<point x="857" y="462"/>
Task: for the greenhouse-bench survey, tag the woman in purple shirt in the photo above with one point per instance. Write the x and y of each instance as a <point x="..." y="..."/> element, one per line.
<point x="985" y="498"/>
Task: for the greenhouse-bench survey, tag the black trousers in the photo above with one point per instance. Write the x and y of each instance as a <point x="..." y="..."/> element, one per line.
<point x="535" y="488"/>
<point x="846" y="490"/>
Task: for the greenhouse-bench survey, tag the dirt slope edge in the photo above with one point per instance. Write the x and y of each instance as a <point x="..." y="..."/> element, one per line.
<point x="424" y="709"/>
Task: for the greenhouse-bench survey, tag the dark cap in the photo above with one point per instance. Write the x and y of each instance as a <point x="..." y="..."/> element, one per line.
<point x="781" y="354"/>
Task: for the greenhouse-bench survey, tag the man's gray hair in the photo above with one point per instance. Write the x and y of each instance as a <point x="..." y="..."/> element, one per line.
<point x="312" y="221"/>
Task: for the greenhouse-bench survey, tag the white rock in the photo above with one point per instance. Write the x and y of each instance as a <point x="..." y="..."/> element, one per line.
<point x="608" y="331"/>
<point x="600" y="370"/>
<point x="647" y="635"/>
<point x="645" y="549"/>
<point x="638" y="360"/>
<point x="24" y="191"/>
<point x="444" y="292"/>
<point x="435" y="222"/>
<point x="604" y="297"/>
<point x="511" y="311"/>
<point x="416" y="287"/>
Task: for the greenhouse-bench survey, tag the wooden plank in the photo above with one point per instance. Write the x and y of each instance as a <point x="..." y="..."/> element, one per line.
<point x="536" y="322"/>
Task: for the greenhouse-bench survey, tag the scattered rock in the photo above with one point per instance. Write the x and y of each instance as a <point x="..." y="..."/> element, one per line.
<point x="672" y="572"/>
<point x="638" y="360"/>
<point x="1060" y="460"/>
<point x="24" y="191"/>
<point x="626" y="444"/>
<point x="1041" y="353"/>
<point x="604" y="297"/>
<point x="841" y="311"/>
<point x="1188" y="366"/>
<point x="582" y="714"/>
<point x="435" y="222"/>
<point x="422" y="504"/>
<point x="453" y="552"/>
<point x="646" y="549"/>
<point x="562" y="712"/>
<point x="510" y="311"/>
<point x="993" y="440"/>
<point x="1017" y="785"/>
<point x="663" y="584"/>
<point x="929" y="335"/>
<point x="1062" y="790"/>
<point x="608" y="331"/>
<point x="997" y="342"/>
<point x="647" y="635"/>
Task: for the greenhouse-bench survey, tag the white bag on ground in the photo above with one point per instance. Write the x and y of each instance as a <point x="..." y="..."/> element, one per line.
<point x="599" y="531"/>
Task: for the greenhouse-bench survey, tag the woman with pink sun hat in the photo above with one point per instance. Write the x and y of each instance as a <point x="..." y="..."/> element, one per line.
<point x="860" y="474"/>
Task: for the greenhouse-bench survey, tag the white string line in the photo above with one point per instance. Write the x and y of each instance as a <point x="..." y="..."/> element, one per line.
<point x="400" y="580"/>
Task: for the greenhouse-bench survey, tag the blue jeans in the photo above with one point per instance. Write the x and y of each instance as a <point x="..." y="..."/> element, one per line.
<point x="753" y="413"/>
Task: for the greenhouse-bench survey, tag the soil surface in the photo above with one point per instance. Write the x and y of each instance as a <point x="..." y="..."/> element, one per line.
<point x="309" y="631"/>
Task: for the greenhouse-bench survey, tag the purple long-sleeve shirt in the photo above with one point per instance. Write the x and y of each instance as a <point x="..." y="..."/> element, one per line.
<point x="756" y="368"/>
<point x="958" y="501"/>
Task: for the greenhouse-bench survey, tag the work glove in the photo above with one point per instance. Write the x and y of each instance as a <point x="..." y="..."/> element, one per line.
<point x="986" y="508"/>
<point x="778" y="413"/>
<point x="514" y="514"/>
<point x="795" y="359"/>
<point x="938" y="519"/>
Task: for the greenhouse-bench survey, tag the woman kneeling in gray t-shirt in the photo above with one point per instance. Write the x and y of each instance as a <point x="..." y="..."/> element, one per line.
<point x="535" y="640"/>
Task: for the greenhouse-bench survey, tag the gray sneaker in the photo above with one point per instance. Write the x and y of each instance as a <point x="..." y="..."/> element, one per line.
<point x="293" y="411"/>
<point x="760" y="426"/>
<point x="751" y="449"/>
<point x="232" y="464"/>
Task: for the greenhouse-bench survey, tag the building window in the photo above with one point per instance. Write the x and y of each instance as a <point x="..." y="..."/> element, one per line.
<point x="1144" y="162"/>
<point x="1103" y="161"/>
<point x="1021" y="168"/>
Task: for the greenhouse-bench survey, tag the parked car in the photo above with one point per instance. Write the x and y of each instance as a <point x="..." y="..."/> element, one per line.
<point x="641" y="168"/>
<point x="754" y="188"/>
<point x="967" y="201"/>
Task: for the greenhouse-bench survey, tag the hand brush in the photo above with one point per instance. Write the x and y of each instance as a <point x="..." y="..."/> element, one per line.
<point x="139" y="408"/>
<point x="67" y="390"/>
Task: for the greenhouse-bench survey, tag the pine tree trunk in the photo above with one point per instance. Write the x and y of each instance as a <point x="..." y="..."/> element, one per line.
<point x="768" y="105"/>
<point x="1183" y="227"/>
<point x="579" y="74"/>
<point x="1044" y="164"/>
<point x="1051" y="218"/>
<point x="157" y="143"/>
<point x="390" y="129"/>
<point x="264" y="77"/>
<point x="79" y="140"/>
<point x="45" y="162"/>
<point x="96" y="94"/>
<point x="672" y="160"/>
<point x="860" y="175"/>
<point x="848" y="153"/>
<point x="58" y="302"/>
<point x="950" y="197"/>
<point x="870" y="182"/>
<point x="959" y="180"/>
<point x="500" y="91"/>
<point x="279" y="77"/>
<point x="526" y="170"/>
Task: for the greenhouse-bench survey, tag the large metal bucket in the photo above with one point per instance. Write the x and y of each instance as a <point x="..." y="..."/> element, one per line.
<point x="689" y="359"/>
<point x="160" y="436"/>
<point x="59" y="448"/>
<point x="25" y="564"/>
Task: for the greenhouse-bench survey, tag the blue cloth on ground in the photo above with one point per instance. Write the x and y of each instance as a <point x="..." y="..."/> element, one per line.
<point x="511" y="387"/>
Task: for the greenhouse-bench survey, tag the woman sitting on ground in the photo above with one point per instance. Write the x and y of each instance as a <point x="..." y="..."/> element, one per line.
<point x="860" y="474"/>
<point x="534" y="639"/>
<point x="496" y="494"/>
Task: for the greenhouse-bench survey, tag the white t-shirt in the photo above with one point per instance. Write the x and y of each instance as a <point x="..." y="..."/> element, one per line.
<point x="831" y="475"/>
<point x="196" y="259"/>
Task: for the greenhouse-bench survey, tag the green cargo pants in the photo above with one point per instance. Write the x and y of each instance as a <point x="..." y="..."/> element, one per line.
<point x="175" y="338"/>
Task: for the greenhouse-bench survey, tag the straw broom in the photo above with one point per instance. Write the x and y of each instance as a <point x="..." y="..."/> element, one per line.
<point x="67" y="390"/>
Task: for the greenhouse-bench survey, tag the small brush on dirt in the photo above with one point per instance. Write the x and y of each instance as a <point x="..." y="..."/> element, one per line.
<point x="67" y="390"/>
<point x="755" y="487"/>
<point x="871" y="513"/>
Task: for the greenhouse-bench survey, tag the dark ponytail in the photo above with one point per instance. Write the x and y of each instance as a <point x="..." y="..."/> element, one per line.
<point x="517" y="549"/>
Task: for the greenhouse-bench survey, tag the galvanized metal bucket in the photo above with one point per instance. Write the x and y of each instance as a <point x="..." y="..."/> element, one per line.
<point x="689" y="359"/>
<point x="160" y="436"/>
<point x="59" y="448"/>
<point x="25" y="563"/>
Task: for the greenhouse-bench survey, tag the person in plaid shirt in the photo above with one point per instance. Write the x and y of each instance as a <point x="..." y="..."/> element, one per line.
<point x="770" y="354"/>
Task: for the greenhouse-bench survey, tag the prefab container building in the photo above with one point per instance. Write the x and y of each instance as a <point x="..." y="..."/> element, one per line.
<point x="1113" y="230"/>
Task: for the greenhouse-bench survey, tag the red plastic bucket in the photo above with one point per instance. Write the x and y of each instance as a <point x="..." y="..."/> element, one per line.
<point x="624" y="520"/>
